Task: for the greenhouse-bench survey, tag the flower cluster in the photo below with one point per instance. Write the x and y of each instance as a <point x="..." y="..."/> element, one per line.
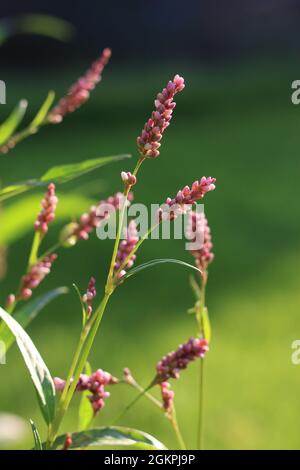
<point x="186" y="197"/>
<point x="167" y="397"/>
<point x="80" y="91"/>
<point x="47" y="213"/>
<point x="125" y="248"/>
<point x="149" y="140"/>
<point x="198" y="228"/>
<point x="97" y="214"/>
<point x="89" y="296"/>
<point x="171" y="364"/>
<point x="35" y="276"/>
<point x="95" y="384"/>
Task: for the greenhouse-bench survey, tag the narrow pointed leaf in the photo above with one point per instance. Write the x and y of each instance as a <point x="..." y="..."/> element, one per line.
<point x="38" y="370"/>
<point x="18" y="188"/>
<point x="59" y="174"/>
<point x="116" y="436"/>
<point x="36" y="437"/>
<point x="206" y="325"/>
<point x="85" y="414"/>
<point x="25" y="315"/>
<point x="12" y="122"/>
<point x="155" y="262"/>
<point x="63" y="173"/>
<point x="43" y="111"/>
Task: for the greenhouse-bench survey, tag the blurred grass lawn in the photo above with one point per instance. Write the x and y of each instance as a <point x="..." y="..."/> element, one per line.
<point x="240" y="127"/>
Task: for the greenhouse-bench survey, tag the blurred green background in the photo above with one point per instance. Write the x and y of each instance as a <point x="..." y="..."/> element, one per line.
<point x="236" y="123"/>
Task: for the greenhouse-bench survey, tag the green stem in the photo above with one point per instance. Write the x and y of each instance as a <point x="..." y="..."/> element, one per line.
<point x="147" y="394"/>
<point x="137" y="246"/>
<point x="201" y="370"/>
<point x="133" y="402"/>
<point x="83" y="356"/>
<point x="33" y="257"/>
<point x="109" y="284"/>
<point x="173" y="420"/>
<point x="201" y="406"/>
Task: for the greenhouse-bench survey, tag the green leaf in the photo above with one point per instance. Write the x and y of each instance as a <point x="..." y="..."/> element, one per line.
<point x="63" y="173"/>
<point x="12" y="122"/>
<point x="116" y="436"/>
<point x="36" y="437"/>
<point x="206" y="325"/>
<point x="43" y="111"/>
<point x="38" y="370"/>
<point x="28" y="313"/>
<point x="18" y="188"/>
<point x="85" y="414"/>
<point x="59" y="174"/>
<point x="154" y="262"/>
<point x="39" y="24"/>
<point x="195" y="287"/>
<point x="13" y="228"/>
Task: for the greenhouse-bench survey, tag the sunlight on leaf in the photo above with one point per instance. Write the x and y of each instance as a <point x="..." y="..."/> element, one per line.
<point x="13" y="228"/>
<point x="25" y="315"/>
<point x="38" y="370"/>
<point x="63" y="173"/>
<point x="43" y="111"/>
<point x="36" y="437"/>
<point x="117" y="436"/>
<point x="59" y="174"/>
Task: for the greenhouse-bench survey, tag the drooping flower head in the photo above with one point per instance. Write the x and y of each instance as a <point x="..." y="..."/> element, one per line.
<point x="95" y="384"/>
<point x="198" y="231"/>
<point x="89" y="296"/>
<point x="186" y="197"/>
<point x="149" y="140"/>
<point x="35" y="276"/>
<point x="171" y="364"/>
<point x="79" y="92"/>
<point x="125" y="248"/>
<point x="167" y="397"/>
<point x="47" y="214"/>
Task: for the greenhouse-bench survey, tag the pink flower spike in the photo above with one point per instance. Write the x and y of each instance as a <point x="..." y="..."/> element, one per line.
<point x="79" y="93"/>
<point x="198" y="229"/>
<point x="95" y="384"/>
<point x="47" y="213"/>
<point x="125" y="247"/>
<point x="97" y="214"/>
<point x="171" y="364"/>
<point x="35" y="276"/>
<point x="186" y="197"/>
<point x="149" y="140"/>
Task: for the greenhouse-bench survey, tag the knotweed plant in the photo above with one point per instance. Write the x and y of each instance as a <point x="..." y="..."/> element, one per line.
<point x="56" y="394"/>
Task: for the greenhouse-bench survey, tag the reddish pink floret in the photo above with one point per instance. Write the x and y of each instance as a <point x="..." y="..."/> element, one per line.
<point x="79" y="92"/>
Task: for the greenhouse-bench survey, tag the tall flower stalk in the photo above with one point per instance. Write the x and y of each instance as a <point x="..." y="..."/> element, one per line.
<point x="198" y="231"/>
<point x="160" y="120"/>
